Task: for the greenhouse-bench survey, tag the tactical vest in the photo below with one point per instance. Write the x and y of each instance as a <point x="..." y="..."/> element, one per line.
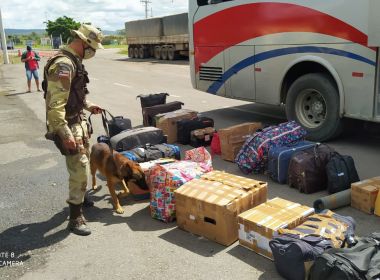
<point x="78" y="89"/>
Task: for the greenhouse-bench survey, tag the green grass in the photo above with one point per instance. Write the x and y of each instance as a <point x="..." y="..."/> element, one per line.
<point x="123" y="51"/>
<point x="13" y="59"/>
<point x="115" y="46"/>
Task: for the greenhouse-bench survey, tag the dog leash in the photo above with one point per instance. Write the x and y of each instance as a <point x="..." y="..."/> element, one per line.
<point x="105" y="126"/>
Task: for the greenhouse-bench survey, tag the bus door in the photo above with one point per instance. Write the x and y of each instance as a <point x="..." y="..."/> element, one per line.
<point x="239" y="73"/>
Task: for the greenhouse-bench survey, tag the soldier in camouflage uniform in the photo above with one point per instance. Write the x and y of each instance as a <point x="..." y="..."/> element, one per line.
<point x="65" y="89"/>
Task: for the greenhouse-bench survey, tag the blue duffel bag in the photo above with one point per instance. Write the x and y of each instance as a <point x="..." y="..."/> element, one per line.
<point x="279" y="158"/>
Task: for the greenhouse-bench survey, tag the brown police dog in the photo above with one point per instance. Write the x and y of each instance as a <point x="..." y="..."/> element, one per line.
<point x="116" y="168"/>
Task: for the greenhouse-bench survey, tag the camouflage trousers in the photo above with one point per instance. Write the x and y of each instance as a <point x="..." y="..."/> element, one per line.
<point x="78" y="165"/>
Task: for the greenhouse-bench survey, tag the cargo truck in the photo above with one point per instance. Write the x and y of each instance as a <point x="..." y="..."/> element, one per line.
<point x="165" y="38"/>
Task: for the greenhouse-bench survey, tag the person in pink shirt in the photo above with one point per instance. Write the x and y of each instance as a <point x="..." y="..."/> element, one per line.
<point x="31" y="58"/>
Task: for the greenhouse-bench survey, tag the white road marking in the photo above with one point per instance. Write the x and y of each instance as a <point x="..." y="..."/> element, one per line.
<point x="94" y="79"/>
<point x="175" y="95"/>
<point x="121" y="85"/>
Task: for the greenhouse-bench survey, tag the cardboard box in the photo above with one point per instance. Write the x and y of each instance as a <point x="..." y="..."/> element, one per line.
<point x="232" y="138"/>
<point x="209" y="206"/>
<point x="259" y="225"/>
<point x="168" y="122"/>
<point x="364" y="194"/>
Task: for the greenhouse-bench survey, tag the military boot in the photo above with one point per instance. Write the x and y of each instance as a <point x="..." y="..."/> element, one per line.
<point x="87" y="201"/>
<point x="77" y="223"/>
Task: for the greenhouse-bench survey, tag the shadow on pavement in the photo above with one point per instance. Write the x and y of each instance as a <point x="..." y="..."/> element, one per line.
<point x="260" y="263"/>
<point x="191" y="242"/>
<point x="142" y="221"/>
<point x="27" y="237"/>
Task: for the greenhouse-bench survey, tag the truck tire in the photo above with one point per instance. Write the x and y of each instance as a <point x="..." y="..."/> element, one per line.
<point x="136" y="52"/>
<point x="164" y="53"/>
<point x="157" y="52"/>
<point x="131" y="52"/>
<point x="172" y="54"/>
<point x="313" y="101"/>
<point x="142" y="53"/>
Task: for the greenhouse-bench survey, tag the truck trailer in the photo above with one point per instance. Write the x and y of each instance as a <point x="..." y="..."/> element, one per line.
<point x="165" y="38"/>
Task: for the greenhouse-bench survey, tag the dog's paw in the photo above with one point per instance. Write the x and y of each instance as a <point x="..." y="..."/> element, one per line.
<point x="120" y="210"/>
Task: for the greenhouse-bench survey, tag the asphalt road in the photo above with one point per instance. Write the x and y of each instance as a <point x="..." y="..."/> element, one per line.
<point x="33" y="185"/>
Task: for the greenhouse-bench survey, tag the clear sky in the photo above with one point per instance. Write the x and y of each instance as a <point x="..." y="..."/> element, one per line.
<point x="106" y="14"/>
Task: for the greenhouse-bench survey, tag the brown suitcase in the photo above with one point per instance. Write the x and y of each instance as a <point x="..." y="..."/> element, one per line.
<point x="150" y="112"/>
<point x="307" y="169"/>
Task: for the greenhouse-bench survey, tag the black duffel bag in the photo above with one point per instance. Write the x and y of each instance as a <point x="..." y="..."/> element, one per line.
<point x="113" y="125"/>
<point x="341" y="173"/>
<point x="360" y="262"/>
<point x="149" y="100"/>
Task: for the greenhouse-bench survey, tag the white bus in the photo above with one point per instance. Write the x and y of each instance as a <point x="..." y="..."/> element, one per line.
<point x="320" y="58"/>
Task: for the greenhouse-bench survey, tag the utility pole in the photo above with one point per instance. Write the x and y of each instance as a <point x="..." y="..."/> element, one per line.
<point x="146" y="3"/>
<point x="3" y="41"/>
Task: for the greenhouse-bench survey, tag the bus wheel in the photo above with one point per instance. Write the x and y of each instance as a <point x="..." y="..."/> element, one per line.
<point x="313" y="101"/>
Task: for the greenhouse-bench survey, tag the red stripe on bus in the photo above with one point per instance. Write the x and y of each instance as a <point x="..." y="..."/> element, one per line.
<point x="357" y="74"/>
<point x="231" y="26"/>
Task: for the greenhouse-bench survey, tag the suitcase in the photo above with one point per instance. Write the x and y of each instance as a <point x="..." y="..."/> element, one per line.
<point x="153" y="152"/>
<point x="279" y="158"/>
<point x="307" y="169"/>
<point x="149" y="100"/>
<point x="185" y="127"/>
<point x="201" y="137"/>
<point x="253" y="156"/>
<point x="137" y="137"/>
<point x="150" y="112"/>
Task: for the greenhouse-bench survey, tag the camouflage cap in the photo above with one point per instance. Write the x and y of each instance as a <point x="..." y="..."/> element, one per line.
<point x="91" y="35"/>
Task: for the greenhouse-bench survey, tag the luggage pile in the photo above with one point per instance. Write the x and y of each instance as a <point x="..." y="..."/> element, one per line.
<point x="303" y="242"/>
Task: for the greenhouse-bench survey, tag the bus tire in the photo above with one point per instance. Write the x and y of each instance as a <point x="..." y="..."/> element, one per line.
<point x="142" y="53"/>
<point x="313" y="101"/>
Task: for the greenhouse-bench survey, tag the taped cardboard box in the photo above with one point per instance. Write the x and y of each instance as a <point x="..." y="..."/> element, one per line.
<point x="259" y="225"/>
<point x="209" y="206"/>
<point x="232" y="138"/>
<point x="168" y="122"/>
<point x="364" y="194"/>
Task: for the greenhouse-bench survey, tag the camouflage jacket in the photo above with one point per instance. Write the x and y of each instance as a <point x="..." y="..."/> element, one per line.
<point x="65" y="92"/>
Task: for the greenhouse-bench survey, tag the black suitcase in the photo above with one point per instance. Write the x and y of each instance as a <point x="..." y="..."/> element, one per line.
<point x="137" y="137"/>
<point x="185" y="127"/>
<point x="150" y="112"/>
<point x="149" y="100"/>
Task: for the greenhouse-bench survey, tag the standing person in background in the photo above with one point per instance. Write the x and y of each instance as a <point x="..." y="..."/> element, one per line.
<point x="31" y="58"/>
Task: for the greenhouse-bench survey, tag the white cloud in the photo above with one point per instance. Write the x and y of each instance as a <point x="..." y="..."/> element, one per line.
<point x="106" y="14"/>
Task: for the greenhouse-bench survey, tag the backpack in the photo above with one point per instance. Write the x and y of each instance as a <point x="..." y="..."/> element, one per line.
<point x="360" y="262"/>
<point x="341" y="172"/>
